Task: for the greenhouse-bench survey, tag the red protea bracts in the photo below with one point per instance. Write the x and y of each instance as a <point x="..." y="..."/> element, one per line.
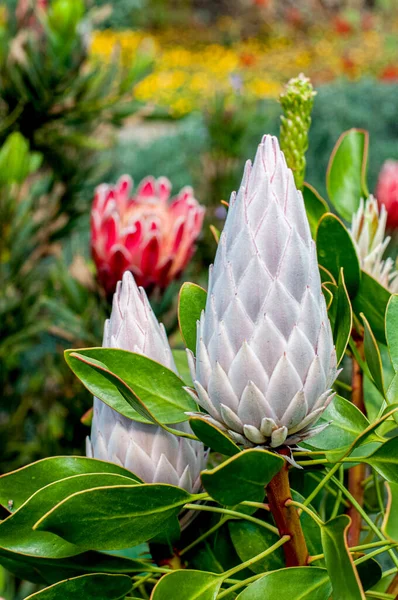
<point x="387" y="191"/>
<point x="143" y="233"/>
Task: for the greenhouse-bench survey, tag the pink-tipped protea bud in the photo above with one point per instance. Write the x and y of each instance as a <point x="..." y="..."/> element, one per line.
<point x="387" y="191"/>
<point x="144" y="233"/>
<point x="150" y="452"/>
<point x="265" y="360"/>
<point x="368" y="230"/>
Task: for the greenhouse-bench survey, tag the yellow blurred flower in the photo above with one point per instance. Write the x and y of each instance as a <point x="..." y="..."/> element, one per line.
<point x="187" y="73"/>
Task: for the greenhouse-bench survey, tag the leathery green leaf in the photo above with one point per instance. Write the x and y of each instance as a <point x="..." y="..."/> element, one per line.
<point x="191" y="302"/>
<point x="212" y="437"/>
<point x="133" y="385"/>
<point x="187" y="585"/>
<point x="390" y="521"/>
<point x="345" y="581"/>
<point x="392" y="329"/>
<point x="315" y="206"/>
<point x="98" y="586"/>
<point x="372" y="355"/>
<point x="242" y="477"/>
<point x="372" y="300"/>
<point x="16" y="487"/>
<point x="116" y="517"/>
<point x="295" y="583"/>
<point x="336" y="251"/>
<point x="16" y="533"/>
<point x="346" y="174"/>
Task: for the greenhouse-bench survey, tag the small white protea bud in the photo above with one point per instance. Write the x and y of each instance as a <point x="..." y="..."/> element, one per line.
<point x="368" y="230"/>
<point x="149" y="451"/>
<point x="265" y="360"/>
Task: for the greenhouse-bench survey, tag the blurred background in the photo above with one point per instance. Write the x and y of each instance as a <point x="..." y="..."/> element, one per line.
<point x="184" y="89"/>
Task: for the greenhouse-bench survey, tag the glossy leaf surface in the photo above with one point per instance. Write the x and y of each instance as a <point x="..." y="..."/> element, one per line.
<point x="242" y="477"/>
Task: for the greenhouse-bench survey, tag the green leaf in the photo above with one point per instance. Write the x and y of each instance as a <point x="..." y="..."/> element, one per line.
<point x="371" y="300"/>
<point x="50" y="570"/>
<point x="390" y="521"/>
<point x="347" y="422"/>
<point x="116" y="517"/>
<point x="191" y="302"/>
<point x="392" y="392"/>
<point x="392" y="329"/>
<point x="293" y="583"/>
<point x="346" y="584"/>
<point x="373" y="358"/>
<point x="19" y="485"/>
<point x="130" y="382"/>
<point x="89" y="587"/>
<point x="181" y="362"/>
<point x="369" y="572"/>
<point x="250" y="539"/>
<point x="315" y="206"/>
<point x="242" y="477"/>
<point x="340" y="315"/>
<point x="385" y="460"/>
<point x="346" y="174"/>
<point x="187" y="585"/>
<point x="212" y="437"/>
<point x="336" y="251"/>
<point x="16" y="532"/>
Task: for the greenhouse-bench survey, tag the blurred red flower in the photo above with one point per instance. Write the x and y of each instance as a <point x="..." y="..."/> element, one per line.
<point x="144" y="233"/>
<point x="387" y="191"/>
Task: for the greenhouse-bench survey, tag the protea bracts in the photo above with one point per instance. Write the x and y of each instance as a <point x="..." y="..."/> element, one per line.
<point x="149" y="451"/>
<point x="368" y="231"/>
<point x="387" y="191"/>
<point x="144" y="233"/>
<point x="265" y="360"/>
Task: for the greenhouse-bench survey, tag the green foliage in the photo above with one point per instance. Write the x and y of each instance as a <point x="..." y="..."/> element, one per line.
<point x="153" y="394"/>
<point x="192" y="300"/>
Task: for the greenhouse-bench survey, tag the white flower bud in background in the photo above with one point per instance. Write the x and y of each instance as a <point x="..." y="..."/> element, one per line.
<point x="368" y="230"/>
<point x="149" y="451"/>
<point x="265" y="360"/>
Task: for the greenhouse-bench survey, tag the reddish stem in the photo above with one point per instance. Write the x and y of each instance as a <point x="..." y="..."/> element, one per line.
<point x="356" y="474"/>
<point x="287" y="519"/>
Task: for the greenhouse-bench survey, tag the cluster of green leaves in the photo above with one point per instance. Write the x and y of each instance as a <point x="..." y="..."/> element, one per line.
<point x="57" y="96"/>
<point x="41" y="304"/>
<point x="63" y="515"/>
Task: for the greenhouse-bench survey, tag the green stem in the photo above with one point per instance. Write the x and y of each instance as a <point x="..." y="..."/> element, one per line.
<point x="380" y="595"/>
<point x="339" y="496"/>
<point x="378" y="493"/>
<point x="359" y="548"/>
<point x="387" y="547"/>
<point x="366" y="518"/>
<point x="240" y="584"/>
<point x="250" y="562"/>
<point x="232" y="513"/>
<point x="318" y="488"/>
<point x="330" y="489"/>
<point x="204" y="536"/>
<point x="309" y="512"/>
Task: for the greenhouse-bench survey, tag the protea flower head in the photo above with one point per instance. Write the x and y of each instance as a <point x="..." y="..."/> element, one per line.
<point x="265" y="360"/>
<point x="149" y="451"/>
<point x="144" y="233"/>
<point x="387" y="191"/>
<point x="368" y="230"/>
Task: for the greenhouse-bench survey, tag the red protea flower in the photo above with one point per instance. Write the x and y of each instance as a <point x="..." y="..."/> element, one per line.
<point x="387" y="191"/>
<point x="143" y="233"/>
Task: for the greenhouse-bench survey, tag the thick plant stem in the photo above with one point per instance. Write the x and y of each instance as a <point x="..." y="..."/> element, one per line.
<point x="356" y="475"/>
<point x="393" y="587"/>
<point x="287" y="518"/>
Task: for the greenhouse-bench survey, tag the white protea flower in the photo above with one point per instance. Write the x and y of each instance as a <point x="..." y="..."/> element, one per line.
<point x="265" y="360"/>
<point x="149" y="451"/>
<point x="368" y="230"/>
